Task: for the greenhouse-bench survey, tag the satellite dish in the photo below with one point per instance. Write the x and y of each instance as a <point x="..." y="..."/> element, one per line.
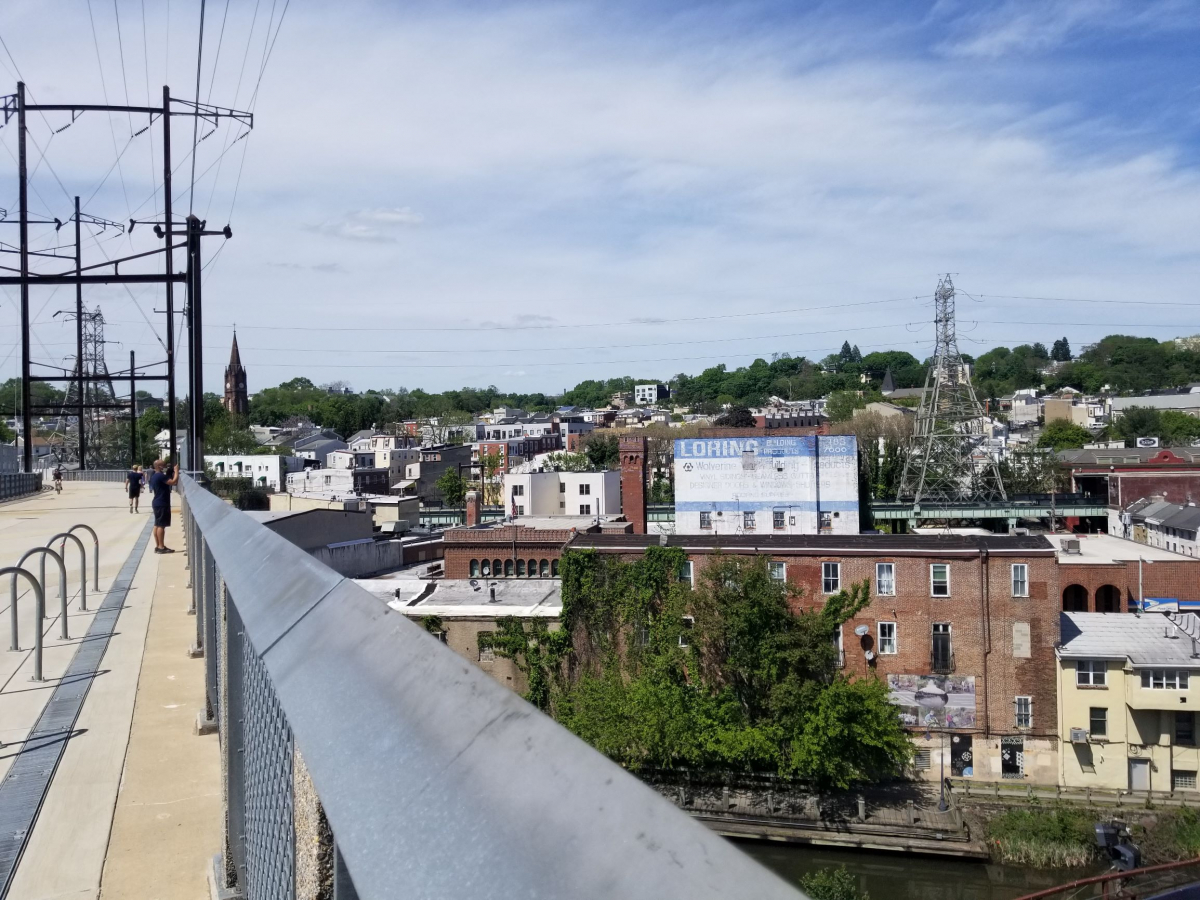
<point x="862" y="630"/>
<point x="870" y="655"/>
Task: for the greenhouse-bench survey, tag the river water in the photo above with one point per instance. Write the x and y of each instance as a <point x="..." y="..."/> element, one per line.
<point x="902" y="876"/>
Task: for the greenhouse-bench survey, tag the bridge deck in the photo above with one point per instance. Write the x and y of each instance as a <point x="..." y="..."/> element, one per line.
<point x="127" y="794"/>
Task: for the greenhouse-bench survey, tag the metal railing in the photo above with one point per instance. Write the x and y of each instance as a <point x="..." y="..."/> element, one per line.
<point x="94" y="474"/>
<point x="19" y="484"/>
<point x="359" y="751"/>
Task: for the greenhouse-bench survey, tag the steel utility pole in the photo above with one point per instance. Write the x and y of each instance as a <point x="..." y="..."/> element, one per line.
<point x="15" y="106"/>
<point x="80" y="430"/>
<point x="23" y="203"/>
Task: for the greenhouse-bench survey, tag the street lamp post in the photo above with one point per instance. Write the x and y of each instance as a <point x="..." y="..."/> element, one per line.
<point x="942" y="804"/>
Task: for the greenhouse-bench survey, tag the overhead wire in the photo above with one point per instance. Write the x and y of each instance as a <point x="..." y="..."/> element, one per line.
<point x="104" y="91"/>
<point x="196" y="111"/>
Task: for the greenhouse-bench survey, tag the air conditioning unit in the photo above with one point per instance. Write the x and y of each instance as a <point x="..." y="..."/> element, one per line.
<point x="1079" y="736"/>
<point x="1071" y="545"/>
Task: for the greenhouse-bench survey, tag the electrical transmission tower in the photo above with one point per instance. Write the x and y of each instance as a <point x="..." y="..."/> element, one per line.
<point x="948" y="460"/>
<point x="95" y="405"/>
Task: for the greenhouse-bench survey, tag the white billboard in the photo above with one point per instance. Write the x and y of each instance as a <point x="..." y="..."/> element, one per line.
<point x="766" y="485"/>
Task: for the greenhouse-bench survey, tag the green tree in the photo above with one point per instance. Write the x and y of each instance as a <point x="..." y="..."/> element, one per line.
<point x="603" y="450"/>
<point x="842" y="404"/>
<point x="1063" y="435"/>
<point x="453" y="487"/>
<point x="569" y="462"/>
<point x="1137" y="422"/>
<point x="1032" y="471"/>
<point x="737" y="417"/>
<point x="721" y="676"/>
<point x="1061" y="352"/>
<point x="490" y="465"/>
<point x="832" y="884"/>
<point x="1178" y="427"/>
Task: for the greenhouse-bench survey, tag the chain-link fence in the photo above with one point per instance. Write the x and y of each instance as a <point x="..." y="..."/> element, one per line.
<point x="361" y="757"/>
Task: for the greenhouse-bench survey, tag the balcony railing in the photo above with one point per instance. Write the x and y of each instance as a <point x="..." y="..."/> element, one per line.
<point x="358" y="751"/>
<point x="941" y="663"/>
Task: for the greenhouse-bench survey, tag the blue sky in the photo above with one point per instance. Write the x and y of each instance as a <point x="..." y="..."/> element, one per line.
<point x="528" y="195"/>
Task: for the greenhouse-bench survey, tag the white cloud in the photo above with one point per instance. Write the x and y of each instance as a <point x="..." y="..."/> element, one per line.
<point x="585" y="170"/>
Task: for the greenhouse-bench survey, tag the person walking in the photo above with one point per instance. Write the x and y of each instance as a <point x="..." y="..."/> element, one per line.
<point x="133" y="481"/>
<point x="160" y="486"/>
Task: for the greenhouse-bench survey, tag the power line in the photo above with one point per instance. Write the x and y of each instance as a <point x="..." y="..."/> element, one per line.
<point x="196" y="118"/>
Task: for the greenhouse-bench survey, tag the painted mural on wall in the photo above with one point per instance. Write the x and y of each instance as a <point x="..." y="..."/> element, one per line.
<point x="934" y="701"/>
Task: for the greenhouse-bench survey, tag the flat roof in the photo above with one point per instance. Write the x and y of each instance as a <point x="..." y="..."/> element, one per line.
<point x="468" y="597"/>
<point x="1149" y="639"/>
<point x="1106" y="549"/>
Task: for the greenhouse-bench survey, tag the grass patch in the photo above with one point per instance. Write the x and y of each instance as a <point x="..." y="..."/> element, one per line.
<point x="1170" y="835"/>
<point x="1043" y="839"/>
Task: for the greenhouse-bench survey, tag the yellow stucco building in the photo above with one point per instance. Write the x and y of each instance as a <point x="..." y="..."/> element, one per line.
<point x="1128" y="695"/>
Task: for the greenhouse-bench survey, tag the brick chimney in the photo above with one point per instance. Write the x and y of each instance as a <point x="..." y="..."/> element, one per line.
<point x="633" y="481"/>
<point x="474" y="508"/>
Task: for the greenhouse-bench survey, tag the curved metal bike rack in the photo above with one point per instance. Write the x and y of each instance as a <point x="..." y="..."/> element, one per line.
<point x="82" y="563"/>
<point x="95" y="556"/>
<point x="40" y="599"/>
<point x="62" y="584"/>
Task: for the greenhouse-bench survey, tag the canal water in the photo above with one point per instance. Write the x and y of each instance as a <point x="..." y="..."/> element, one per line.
<point x="901" y="876"/>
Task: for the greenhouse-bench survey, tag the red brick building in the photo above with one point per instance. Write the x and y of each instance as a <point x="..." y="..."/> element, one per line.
<point x="1102" y="573"/>
<point x="976" y="614"/>
<point x="1126" y="475"/>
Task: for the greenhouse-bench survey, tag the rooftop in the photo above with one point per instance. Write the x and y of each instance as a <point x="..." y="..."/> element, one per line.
<point x="1105" y="549"/>
<point x="1148" y="639"/>
<point x="468" y="598"/>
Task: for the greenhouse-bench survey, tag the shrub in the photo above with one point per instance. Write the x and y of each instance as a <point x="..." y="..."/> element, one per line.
<point x="832" y="884"/>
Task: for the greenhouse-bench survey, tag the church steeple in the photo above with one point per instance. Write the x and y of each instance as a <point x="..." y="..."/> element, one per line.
<point x="236" y="400"/>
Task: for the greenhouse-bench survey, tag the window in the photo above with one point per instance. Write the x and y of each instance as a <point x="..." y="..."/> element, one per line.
<point x="685" y="573"/>
<point x="777" y="520"/>
<point x="824" y="521"/>
<point x="585" y="509"/>
<point x="686" y="632"/>
<point x="520" y="568"/>
<point x="748" y="520"/>
<point x="585" y="489"/>
<point x="1024" y="706"/>
<point x="1183" y="780"/>
<point x="1185" y="728"/>
<point x="562" y="487"/>
<point x="497" y="567"/>
<point x="487" y="568"/>
<point x="532" y="570"/>
<point x="778" y="571"/>
<point x="544" y="568"/>
<point x="1090" y="672"/>
<point x="706" y="520"/>
<point x="1165" y="679"/>
<point x="508" y="568"/>
<point x="939" y="580"/>
<point x="885" y="579"/>
<point x="518" y="490"/>
<point x="887" y="638"/>
<point x="554" y="568"/>
<point x="942" y="658"/>
<point x="520" y="510"/>
<point x="831" y="577"/>
<point x="1098" y="721"/>
<point x="1020" y="580"/>
<point x="474" y="568"/>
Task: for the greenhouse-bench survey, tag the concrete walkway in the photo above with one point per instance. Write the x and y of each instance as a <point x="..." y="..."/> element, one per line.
<point x="132" y="754"/>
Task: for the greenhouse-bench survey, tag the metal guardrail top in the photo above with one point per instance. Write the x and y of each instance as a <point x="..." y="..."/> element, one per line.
<point x="439" y="782"/>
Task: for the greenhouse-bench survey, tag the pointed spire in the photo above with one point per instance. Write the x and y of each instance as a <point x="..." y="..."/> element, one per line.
<point x="235" y="358"/>
<point x="889" y="383"/>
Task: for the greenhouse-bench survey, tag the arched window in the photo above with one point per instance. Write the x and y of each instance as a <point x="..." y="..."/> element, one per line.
<point x="520" y="568"/>
<point x="474" y="568"/>
<point x="554" y="568"/>
<point x="1108" y="598"/>
<point x="497" y="568"/>
<point x="508" y="568"/>
<point x="532" y="568"/>
<point x="1075" y="598"/>
<point x="544" y="570"/>
<point x="487" y="568"/>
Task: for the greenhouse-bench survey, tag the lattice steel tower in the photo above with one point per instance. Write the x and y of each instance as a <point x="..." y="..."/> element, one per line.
<point x="100" y="404"/>
<point x="948" y="460"/>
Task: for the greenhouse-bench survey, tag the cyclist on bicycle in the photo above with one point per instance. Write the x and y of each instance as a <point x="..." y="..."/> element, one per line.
<point x="58" y="478"/>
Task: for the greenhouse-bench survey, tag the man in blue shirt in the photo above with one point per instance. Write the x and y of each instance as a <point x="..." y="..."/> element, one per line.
<point x="160" y="486"/>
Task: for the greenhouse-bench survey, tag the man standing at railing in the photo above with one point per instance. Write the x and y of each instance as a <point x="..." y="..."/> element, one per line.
<point x="160" y="486"/>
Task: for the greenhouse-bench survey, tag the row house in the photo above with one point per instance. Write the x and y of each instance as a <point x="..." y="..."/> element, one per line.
<point x="514" y="451"/>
